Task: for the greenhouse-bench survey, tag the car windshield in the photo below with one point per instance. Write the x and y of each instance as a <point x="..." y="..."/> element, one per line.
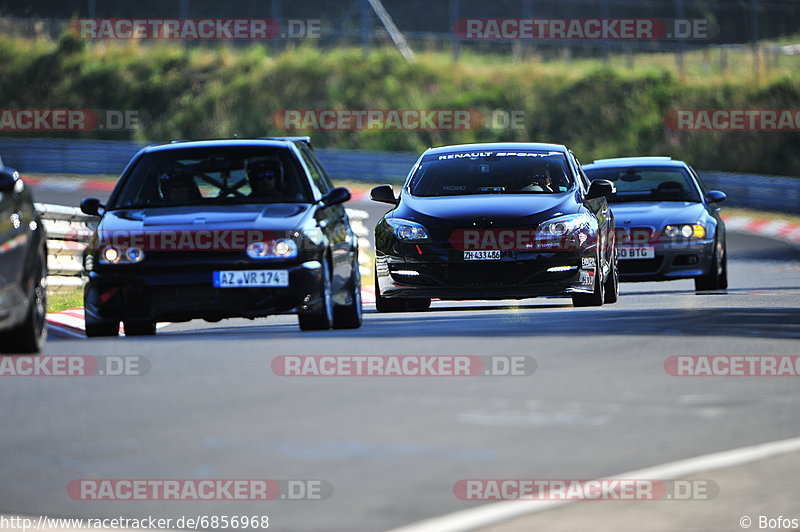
<point x="199" y="176"/>
<point x="648" y="183"/>
<point x="491" y="172"/>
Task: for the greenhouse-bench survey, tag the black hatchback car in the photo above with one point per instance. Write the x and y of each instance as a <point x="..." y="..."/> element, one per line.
<point x="220" y="229"/>
<point x="495" y="221"/>
<point x="23" y="268"/>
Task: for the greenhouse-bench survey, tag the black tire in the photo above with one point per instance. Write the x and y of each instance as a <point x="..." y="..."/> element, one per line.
<point x="96" y="329"/>
<point x="31" y="335"/>
<point x="321" y="318"/>
<point x="418" y="305"/>
<point x="350" y="316"/>
<point x="595" y="299"/>
<point x="139" y="327"/>
<point x="398" y="304"/>
<point x="717" y="277"/>
<point x="612" y="284"/>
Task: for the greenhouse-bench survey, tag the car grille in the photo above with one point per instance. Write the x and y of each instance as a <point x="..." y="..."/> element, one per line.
<point x="640" y="265"/>
<point x="487" y="275"/>
<point x="627" y="236"/>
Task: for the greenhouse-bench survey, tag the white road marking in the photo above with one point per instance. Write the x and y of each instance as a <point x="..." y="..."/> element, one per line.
<point x="491" y="514"/>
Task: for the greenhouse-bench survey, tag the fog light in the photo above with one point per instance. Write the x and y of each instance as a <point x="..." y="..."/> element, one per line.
<point x="556" y="269"/>
<point x="409" y="273"/>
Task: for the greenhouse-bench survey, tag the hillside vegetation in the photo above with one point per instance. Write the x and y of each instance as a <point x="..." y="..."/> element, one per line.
<point x="600" y="109"/>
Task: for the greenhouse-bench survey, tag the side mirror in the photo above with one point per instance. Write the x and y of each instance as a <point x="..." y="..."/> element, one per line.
<point x="601" y="188"/>
<point x="91" y="206"/>
<point x="384" y="194"/>
<point x="335" y="196"/>
<point x="8" y="179"/>
<point x="715" y="196"/>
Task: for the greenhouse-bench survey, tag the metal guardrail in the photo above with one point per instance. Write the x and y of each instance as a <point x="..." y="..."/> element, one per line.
<point x="74" y="156"/>
<point x="766" y="193"/>
<point x="79" y="156"/>
<point x="69" y="231"/>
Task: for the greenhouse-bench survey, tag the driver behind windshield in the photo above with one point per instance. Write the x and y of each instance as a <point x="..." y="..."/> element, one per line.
<point x="265" y="176"/>
<point x="179" y="187"/>
<point x="540" y="181"/>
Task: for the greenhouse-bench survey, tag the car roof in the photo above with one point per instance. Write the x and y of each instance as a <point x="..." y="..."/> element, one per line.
<point x="622" y="162"/>
<point x="227" y="143"/>
<point x="496" y="146"/>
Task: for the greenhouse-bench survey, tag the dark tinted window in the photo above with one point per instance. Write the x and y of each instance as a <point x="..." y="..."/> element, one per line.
<point x="220" y="175"/>
<point x="648" y="183"/>
<point x="491" y="172"/>
<point x="318" y="174"/>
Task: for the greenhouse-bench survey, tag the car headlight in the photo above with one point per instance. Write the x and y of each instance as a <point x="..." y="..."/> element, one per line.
<point x="112" y="255"/>
<point x="567" y="225"/>
<point x="282" y="248"/>
<point x="673" y="232"/>
<point x="408" y="231"/>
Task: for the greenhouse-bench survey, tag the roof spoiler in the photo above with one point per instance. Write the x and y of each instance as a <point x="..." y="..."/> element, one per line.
<point x="306" y="140"/>
<point x="621" y="159"/>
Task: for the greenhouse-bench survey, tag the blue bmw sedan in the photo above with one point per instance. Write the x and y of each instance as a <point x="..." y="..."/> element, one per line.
<point x="668" y="222"/>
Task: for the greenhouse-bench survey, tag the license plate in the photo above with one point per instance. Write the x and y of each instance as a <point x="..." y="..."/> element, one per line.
<point x="491" y="254"/>
<point x="636" y="253"/>
<point x="251" y="278"/>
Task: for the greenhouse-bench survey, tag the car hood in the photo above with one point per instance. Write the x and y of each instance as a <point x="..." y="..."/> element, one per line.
<point x="500" y="210"/>
<point x="657" y="214"/>
<point x="277" y="217"/>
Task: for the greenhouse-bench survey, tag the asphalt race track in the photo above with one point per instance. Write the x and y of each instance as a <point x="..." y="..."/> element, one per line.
<point x="599" y="403"/>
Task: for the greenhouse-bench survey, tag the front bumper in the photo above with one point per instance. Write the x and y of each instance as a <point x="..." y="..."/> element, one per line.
<point x="171" y="294"/>
<point x="672" y="261"/>
<point x="518" y="275"/>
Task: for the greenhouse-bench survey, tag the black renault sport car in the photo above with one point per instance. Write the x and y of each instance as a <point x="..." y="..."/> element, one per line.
<point x="220" y="229"/>
<point x="668" y="222"/>
<point x="23" y="268"/>
<point x="495" y="221"/>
